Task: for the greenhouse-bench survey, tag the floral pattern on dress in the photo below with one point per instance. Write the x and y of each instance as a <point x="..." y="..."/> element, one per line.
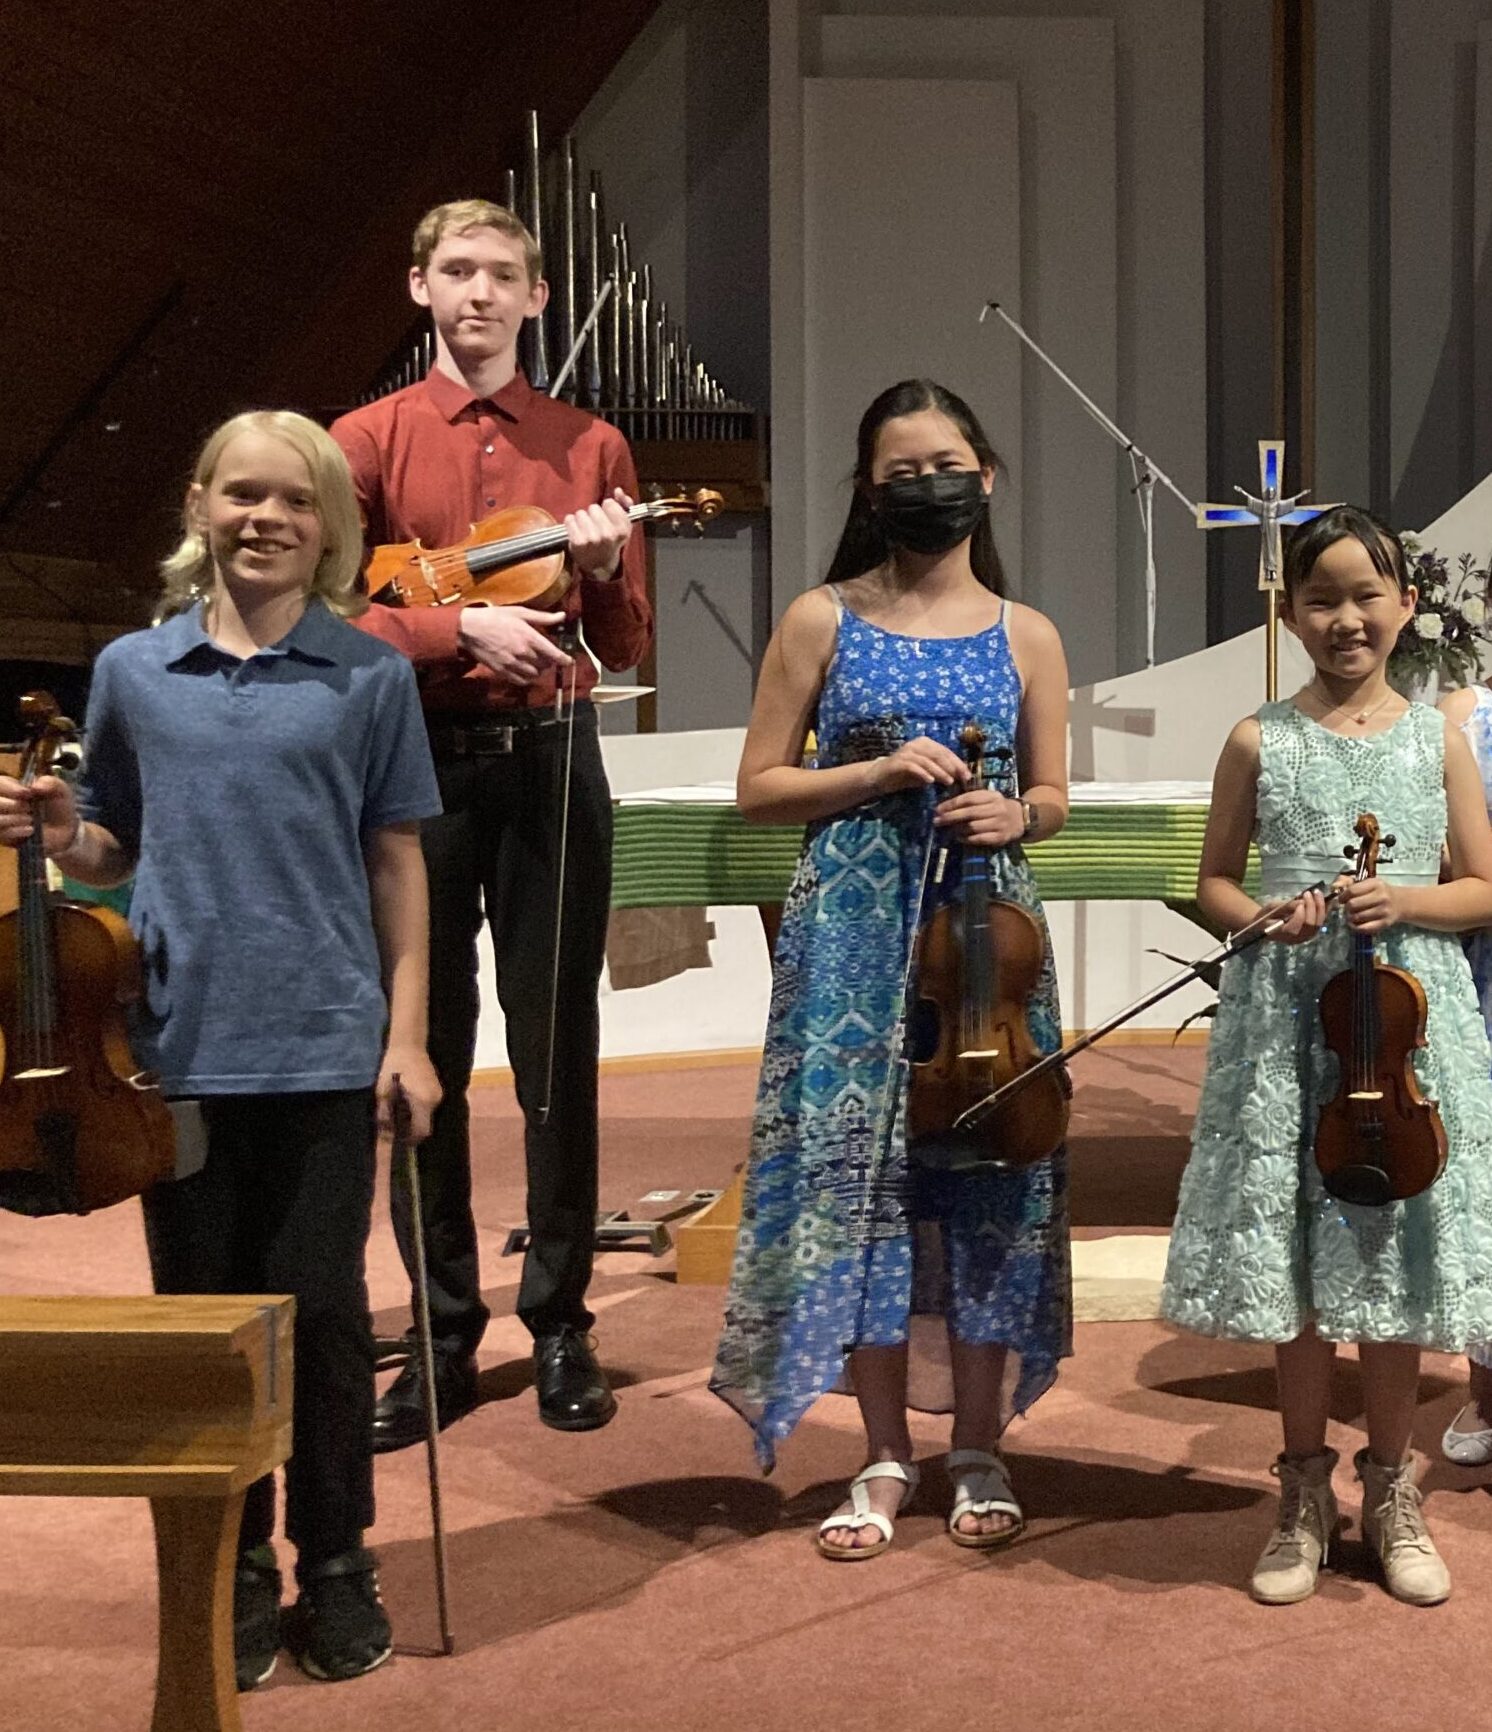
<point x="1259" y="1248"/>
<point x="842" y="1244"/>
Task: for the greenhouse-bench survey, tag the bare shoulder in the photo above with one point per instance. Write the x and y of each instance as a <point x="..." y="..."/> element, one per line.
<point x="1241" y="748"/>
<point x="1456" y="707"/>
<point x="1028" y="629"/>
<point x="809" y="626"/>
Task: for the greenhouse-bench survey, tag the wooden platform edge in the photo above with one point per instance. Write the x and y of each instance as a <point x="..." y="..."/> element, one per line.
<point x="706" y="1242"/>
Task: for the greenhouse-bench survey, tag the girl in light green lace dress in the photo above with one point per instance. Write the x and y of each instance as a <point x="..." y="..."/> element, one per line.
<point x="1260" y="1251"/>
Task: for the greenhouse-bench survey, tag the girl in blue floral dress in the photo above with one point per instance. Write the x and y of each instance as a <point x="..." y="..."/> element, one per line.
<point x="845" y="1251"/>
<point x="1260" y="1251"/>
<point x="1471" y="710"/>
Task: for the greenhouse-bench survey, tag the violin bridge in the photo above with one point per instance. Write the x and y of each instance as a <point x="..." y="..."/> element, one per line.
<point x="1366" y="1095"/>
<point x="980" y="1052"/>
<point x="42" y="1073"/>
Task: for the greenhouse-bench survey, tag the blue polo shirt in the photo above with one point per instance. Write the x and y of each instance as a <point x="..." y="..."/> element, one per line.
<point x="247" y="790"/>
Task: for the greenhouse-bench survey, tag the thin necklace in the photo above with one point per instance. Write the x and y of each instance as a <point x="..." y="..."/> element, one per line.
<point x="1358" y="716"/>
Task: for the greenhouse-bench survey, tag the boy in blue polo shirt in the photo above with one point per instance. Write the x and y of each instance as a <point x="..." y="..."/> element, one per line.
<point x="261" y="767"/>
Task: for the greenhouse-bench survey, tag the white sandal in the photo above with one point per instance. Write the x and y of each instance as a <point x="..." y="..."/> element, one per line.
<point x="981" y="1487"/>
<point x="1467" y="1448"/>
<point x="863" y="1515"/>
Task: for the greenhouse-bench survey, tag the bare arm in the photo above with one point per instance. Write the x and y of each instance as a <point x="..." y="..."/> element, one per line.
<point x="401" y="919"/>
<point x="992" y="820"/>
<point x="1230" y="828"/>
<point x="772" y="787"/>
<point x="1465" y="899"/>
<point x="1041" y="736"/>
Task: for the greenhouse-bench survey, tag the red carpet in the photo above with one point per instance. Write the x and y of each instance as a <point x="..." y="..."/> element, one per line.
<point x="646" y="1576"/>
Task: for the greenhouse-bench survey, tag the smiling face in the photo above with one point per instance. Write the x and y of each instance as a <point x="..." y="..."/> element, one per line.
<point x="1346" y="613"/>
<point x="924" y="443"/>
<point x="259" y="517"/>
<point x="479" y="292"/>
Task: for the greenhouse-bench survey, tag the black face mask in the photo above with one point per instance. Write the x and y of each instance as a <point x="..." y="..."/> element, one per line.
<point x="931" y="513"/>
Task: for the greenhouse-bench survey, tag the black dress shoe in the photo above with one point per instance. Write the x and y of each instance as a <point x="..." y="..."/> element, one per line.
<point x="573" y="1392"/>
<point x="399" y="1413"/>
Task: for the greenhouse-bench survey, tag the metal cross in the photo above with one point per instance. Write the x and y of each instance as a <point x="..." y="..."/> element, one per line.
<point x="1270" y="512"/>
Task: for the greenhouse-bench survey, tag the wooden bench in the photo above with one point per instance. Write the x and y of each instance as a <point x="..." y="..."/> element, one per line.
<point x="186" y="1401"/>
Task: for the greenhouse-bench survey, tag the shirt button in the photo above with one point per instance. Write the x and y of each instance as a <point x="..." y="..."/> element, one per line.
<point x="492" y="502"/>
<point x="488" y="449"/>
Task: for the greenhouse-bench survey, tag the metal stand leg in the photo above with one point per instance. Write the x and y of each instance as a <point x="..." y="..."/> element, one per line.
<point x="425" y="1345"/>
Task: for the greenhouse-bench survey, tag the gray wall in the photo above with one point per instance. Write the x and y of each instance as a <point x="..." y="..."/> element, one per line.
<point x="1138" y="253"/>
<point x="1404" y="215"/>
<point x="1103" y="257"/>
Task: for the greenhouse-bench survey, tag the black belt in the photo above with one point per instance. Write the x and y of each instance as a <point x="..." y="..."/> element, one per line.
<point x="487" y="737"/>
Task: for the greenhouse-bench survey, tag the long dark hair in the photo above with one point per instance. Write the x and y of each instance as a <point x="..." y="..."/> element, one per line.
<point x="1312" y="539"/>
<point x="862" y="542"/>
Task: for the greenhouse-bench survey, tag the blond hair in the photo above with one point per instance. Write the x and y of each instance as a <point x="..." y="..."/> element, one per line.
<point x="187" y="574"/>
<point x="473" y="213"/>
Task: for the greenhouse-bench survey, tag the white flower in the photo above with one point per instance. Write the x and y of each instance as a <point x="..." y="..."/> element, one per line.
<point x="1474" y="610"/>
<point x="1430" y="625"/>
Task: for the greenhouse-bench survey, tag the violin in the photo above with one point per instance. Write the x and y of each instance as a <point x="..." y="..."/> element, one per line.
<point x="976" y="963"/>
<point x="81" y="1126"/>
<point x="513" y="556"/>
<point x="1378" y="1139"/>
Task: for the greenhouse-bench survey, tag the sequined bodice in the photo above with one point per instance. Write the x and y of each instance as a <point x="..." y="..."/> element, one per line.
<point x="1313" y="784"/>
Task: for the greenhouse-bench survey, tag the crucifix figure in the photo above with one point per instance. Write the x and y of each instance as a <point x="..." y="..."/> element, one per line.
<point x="1269" y="512"/>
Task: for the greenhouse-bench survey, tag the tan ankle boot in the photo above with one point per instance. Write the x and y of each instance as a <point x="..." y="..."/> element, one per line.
<point x="1393" y="1524"/>
<point x="1307" y="1524"/>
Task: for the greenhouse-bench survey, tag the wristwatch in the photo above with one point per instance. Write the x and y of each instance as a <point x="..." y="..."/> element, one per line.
<point x="1028" y="812"/>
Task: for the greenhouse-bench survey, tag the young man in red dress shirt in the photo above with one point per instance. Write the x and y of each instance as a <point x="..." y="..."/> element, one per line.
<point x="428" y="462"/>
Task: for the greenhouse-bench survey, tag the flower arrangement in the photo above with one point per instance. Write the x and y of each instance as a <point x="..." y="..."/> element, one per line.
<point x="1441" y="645"/>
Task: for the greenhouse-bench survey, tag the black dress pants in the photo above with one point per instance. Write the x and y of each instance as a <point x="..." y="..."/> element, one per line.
<point x="283" y="1205"/>
<point x="493" y="854"/>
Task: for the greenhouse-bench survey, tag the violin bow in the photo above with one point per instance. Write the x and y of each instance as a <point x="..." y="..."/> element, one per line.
<point x="564" y="705"/>
<point x="404" y="1164"/>
<point x="1269" y="920"/>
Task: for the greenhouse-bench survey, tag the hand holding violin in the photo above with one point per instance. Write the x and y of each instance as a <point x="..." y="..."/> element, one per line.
<point x="920" y="763"/>
<point x="1371" y="905"/>
<point x="48" y="798"/>
<point x="982" y="818"/>
<point x="598" y="533"/>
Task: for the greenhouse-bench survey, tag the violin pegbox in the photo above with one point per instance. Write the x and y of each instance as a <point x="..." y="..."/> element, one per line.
<point x="701" y="506"/>
<point x="1368" y="855"/>
<point x="47" y="731"/>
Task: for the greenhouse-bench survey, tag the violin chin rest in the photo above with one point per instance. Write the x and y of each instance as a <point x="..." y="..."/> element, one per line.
<point x="1362" y="1183"/>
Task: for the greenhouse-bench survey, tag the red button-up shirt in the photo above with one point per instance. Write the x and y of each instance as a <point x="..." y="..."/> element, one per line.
<point x="431" y="460"/>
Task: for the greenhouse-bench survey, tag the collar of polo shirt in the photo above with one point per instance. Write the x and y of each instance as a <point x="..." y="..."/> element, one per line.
<point x="311" y="639"/>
